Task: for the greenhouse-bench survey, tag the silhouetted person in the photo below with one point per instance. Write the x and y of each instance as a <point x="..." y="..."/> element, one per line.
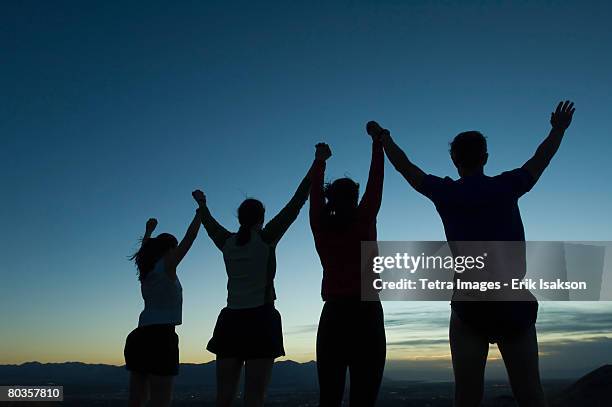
<point x="151" y="350"/>
<point x="351" y="333"/>
<point x="477" y="207"/>
<point x="248" y="331"/>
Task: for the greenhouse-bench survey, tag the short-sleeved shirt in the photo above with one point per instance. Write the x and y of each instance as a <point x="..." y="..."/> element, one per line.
<point x="482" y="208"/>
<point x="479" y="207"/>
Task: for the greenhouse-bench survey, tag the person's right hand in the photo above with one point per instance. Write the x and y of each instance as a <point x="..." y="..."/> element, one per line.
<point x="151" y="225"/>
<point x="562" y="117"/>
<point x="199" y="196"/>
<point x="322" y="152"/>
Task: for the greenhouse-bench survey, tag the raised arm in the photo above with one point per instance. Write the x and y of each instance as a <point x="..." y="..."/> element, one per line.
<point x="278" y="225"/>
<point x="149" y="228"/>
<point x="413" y="174"/>
<point x="372" y="197"/>
<point x="317" y="198"/>
<point x="216" y="232"/>
<point x="175" y="256"/>
<point x="560" y="120"/>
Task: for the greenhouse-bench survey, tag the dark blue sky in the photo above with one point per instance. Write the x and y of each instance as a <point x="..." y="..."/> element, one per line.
<point x="111" y="113"/>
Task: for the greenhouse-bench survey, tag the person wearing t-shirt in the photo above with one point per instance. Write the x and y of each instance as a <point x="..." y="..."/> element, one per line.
<point x="478" y="207"/>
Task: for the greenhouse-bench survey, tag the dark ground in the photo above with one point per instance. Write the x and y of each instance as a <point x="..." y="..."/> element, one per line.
<point x="395" y="394"/>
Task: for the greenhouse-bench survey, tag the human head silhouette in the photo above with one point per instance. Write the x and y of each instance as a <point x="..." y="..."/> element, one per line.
<point x="151" y="252"/>
<point x="250" y="214"/>
<point x="469" y="152"/>
<point x="342" y="197"/>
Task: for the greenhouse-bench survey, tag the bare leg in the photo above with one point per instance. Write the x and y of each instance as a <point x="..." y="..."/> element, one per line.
<point x="228" y="378"/>
<point x="520" y="356"/>
<point x="161" y="390"/>
<point x="139" y="389"/>
<point x="257" y="377"/>
<point x="469" y="352"/>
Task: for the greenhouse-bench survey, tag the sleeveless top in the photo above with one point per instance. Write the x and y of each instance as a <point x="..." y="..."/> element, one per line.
<point x="251" y="268"/>
<point x="250" y="272"/>
<point x="163" y="298"/>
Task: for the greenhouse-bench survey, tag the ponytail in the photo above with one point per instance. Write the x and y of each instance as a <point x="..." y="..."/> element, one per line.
<point x="250" y="213"/>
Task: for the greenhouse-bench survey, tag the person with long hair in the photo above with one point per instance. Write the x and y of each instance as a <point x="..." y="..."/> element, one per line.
<point x="248" y="331"/>
<point x="351" y="332"/>
<point x="151" y="350"/>
<point x="484" y="209"/>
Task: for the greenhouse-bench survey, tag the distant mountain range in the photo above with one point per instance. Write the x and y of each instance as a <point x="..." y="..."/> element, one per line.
<point x="592" y="390"/>
<point x="287" y="374"/>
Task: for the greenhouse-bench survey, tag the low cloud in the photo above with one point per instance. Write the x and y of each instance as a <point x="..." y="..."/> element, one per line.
<point x="301" y="329"/>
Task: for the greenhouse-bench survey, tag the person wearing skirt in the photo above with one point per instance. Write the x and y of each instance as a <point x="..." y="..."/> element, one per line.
<point x="248" y="331"/>
<point x="151" y="350"/>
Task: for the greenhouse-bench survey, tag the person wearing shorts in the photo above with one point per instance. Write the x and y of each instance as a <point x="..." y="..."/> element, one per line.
<point x="481" y="208"/>
<point x="151" y="350"/>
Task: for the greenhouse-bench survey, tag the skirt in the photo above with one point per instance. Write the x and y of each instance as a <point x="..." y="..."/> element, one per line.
<point x="249" y="333"/>
<point x="152" y="349"/>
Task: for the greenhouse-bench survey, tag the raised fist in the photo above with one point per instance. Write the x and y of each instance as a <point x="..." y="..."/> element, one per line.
<point x="322" y="152"/>
<point x="151" y="225"/>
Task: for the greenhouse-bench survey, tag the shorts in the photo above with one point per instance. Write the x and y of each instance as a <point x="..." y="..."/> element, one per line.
<point x="497" y="320"/>
<point x="152" y="349"/>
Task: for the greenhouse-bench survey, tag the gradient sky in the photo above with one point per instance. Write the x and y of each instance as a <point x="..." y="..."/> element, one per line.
<point x="112" y="113"/>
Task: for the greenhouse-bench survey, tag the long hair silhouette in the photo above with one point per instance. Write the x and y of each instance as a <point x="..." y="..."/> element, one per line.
<point x="151" y="251"/>
<point x="151" y="350"/>
<point x="340" y="209"/>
